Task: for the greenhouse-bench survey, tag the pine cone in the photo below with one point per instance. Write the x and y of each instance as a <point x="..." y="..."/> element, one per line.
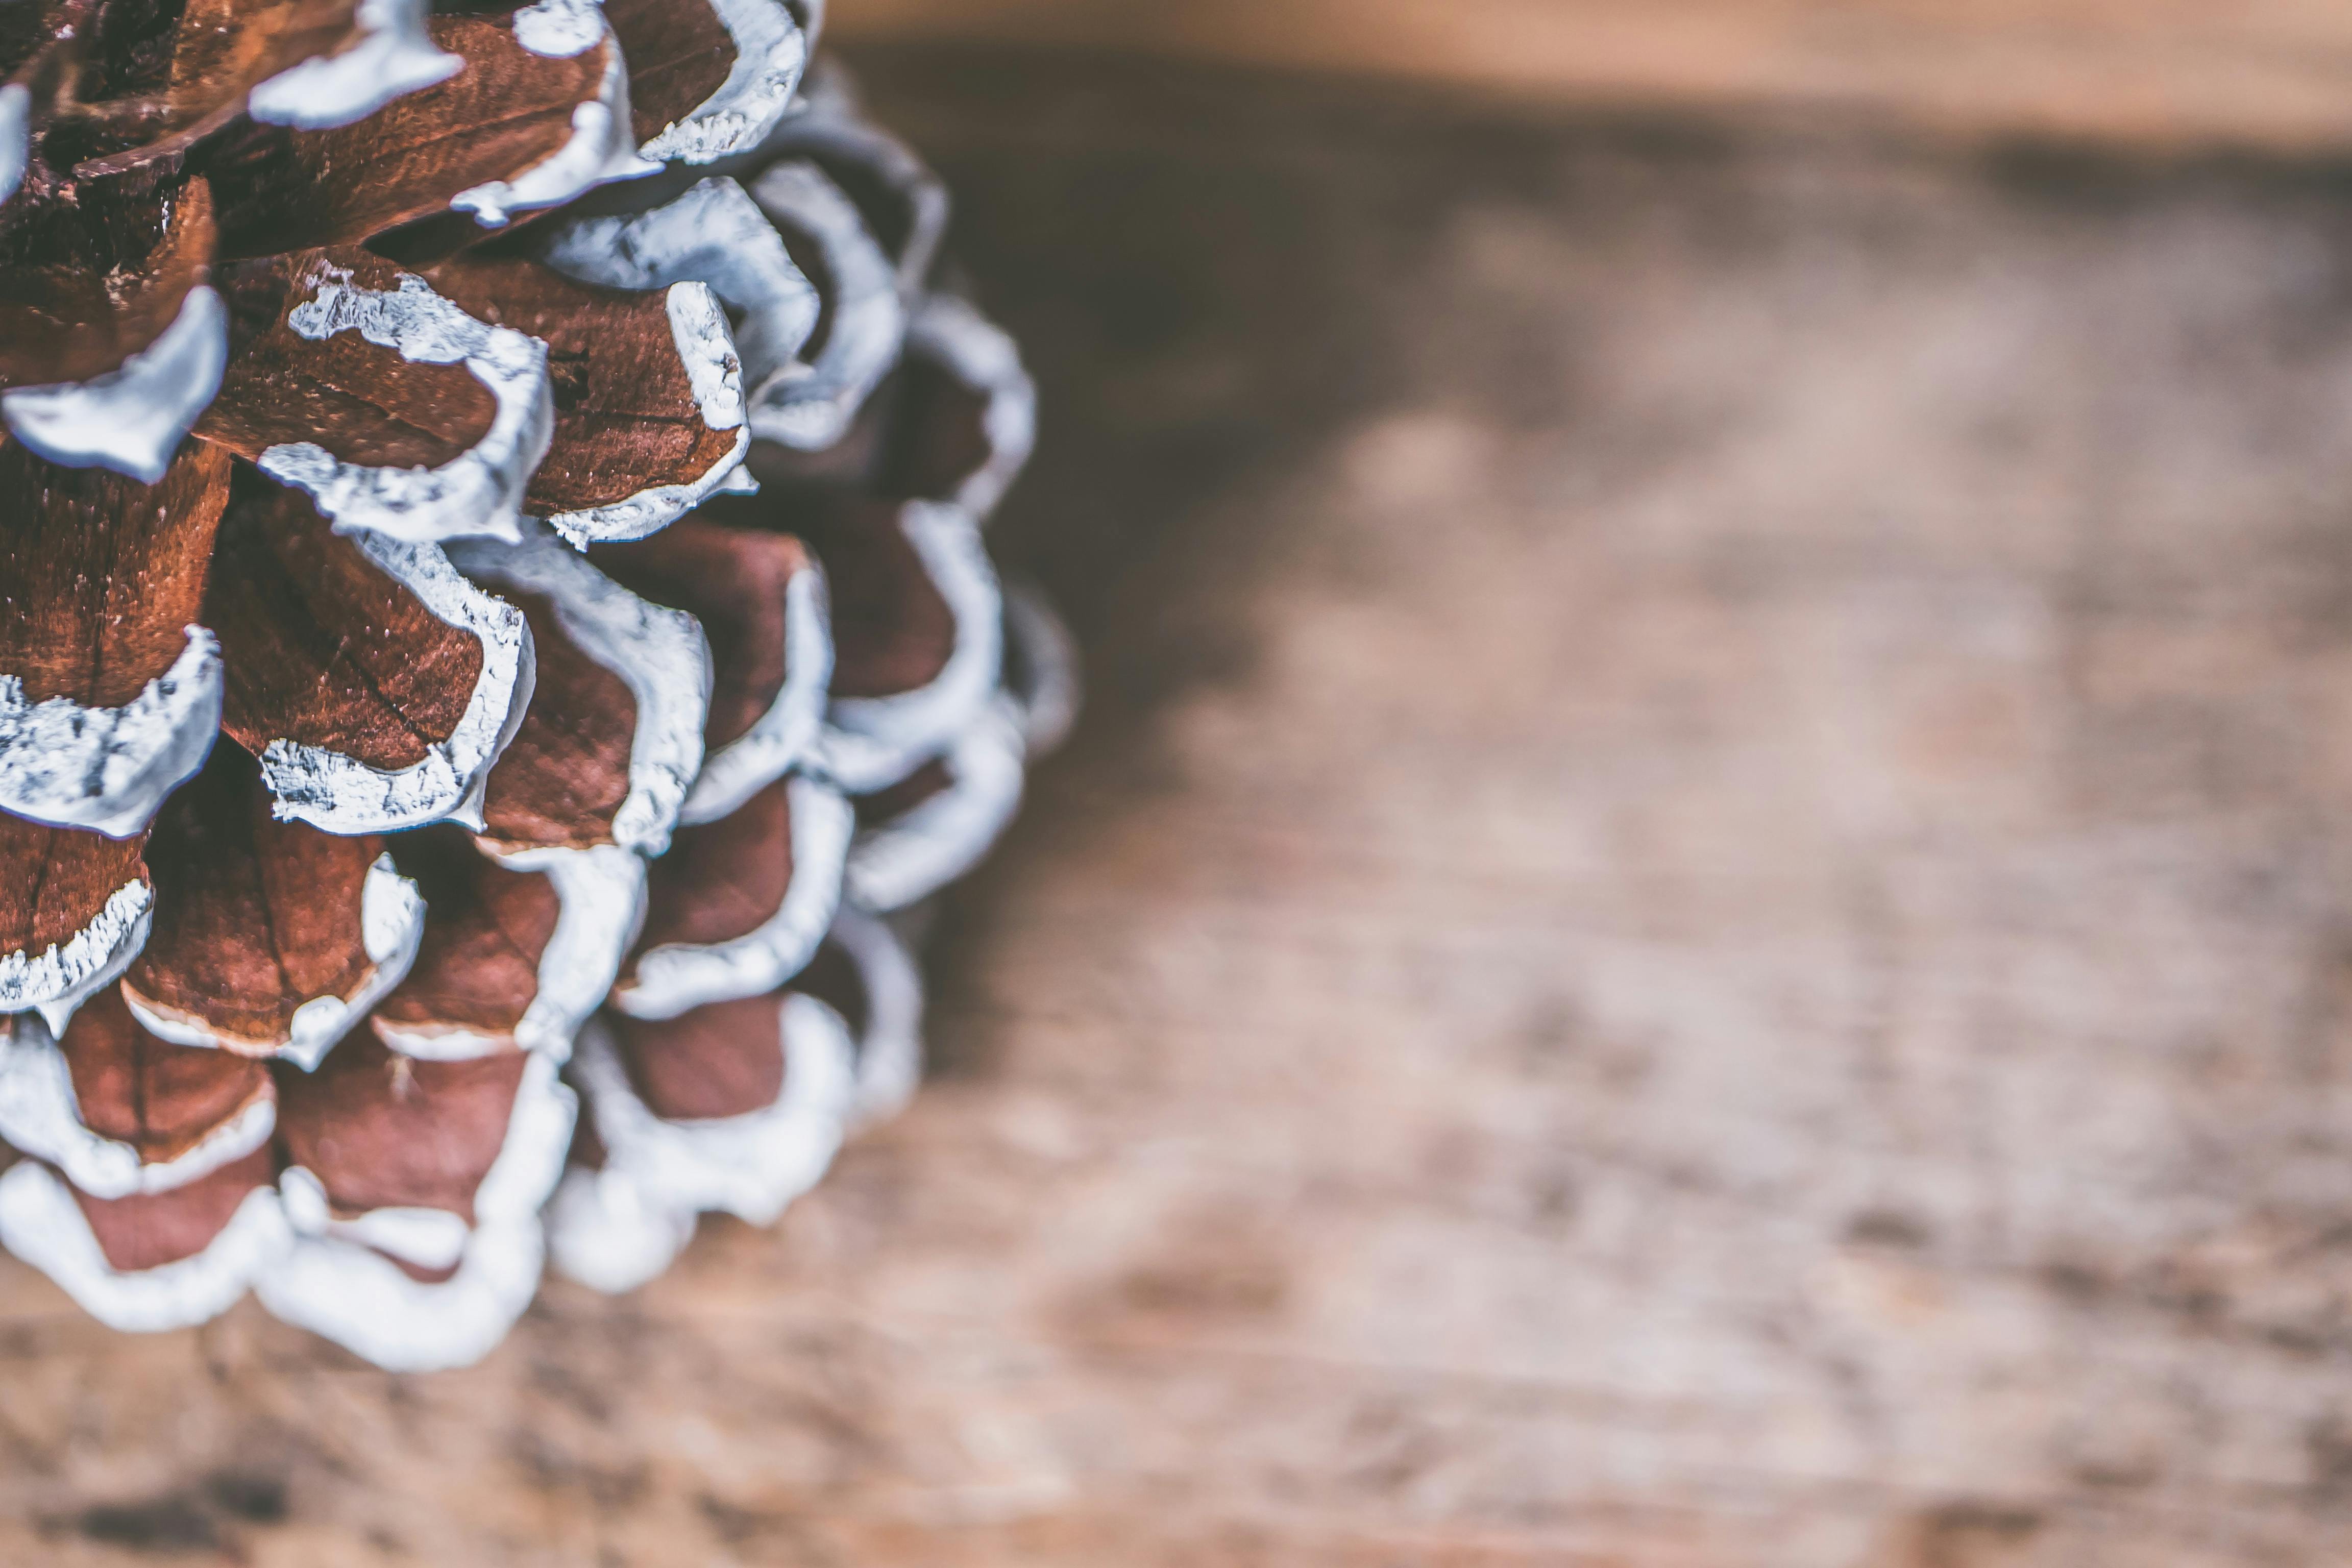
<point x="534" y="444"/>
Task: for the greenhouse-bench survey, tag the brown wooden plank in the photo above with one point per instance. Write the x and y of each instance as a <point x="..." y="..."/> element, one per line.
<point x="2277" y="72"/>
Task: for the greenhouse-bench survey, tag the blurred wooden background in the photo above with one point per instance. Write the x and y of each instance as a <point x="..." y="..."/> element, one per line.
<point x="2267" y="72"/>
<point x="1702" y="918"/>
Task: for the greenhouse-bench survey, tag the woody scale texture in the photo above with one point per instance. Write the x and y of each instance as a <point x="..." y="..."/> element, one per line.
<point x="495" y="631"/>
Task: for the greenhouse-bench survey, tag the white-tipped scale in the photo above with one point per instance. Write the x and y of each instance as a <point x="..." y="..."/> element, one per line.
<point x="676" y="977"/>
<point x="601" y="897"/>
<point x="660" y="653"/>
<point x="890" y="1046"/>
<point x="602" y="891"/>
<point x="131" y="419"/>
<point x="809" y="406"/>
<point x="712" y="233"/>
<point x="1042" y="684"/>
<point x="913" y="855"/>
<point x="477" y="493"/>
<point x="787" y="730"/>
<point x="55" y="982"/>
<point x="705" y="348"/>
<point x="15" y="136"/>
<point x="601" y="148"/>
<point x="40" y="1223"/>
<point x="394" y="56"/>
<point x="340" y="794"/>
<point x="615" y="1227"/>
<point x="770" y="51"/>
<point x="108" y="769"/>
<point x="41" y="1116"/>
<point x="830" y="126"/>
<point x="335" y="1280"/>
<point x="981" y="355"/>
<point x="558" y="29"/>
<point x="610" y="1234"/>
<point x="870" y="742"/>
<point x="392" y="925"/>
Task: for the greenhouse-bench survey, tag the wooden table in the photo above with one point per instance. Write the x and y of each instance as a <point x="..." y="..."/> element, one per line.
<point x="2274" y="73"/>
<point x="1704" y="915"/>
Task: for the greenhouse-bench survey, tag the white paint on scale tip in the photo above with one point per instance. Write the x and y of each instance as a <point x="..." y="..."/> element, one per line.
<point x="393" y="56"/>
<point x="810" y="405"/>
<point x="1043" y="685"/>
<point x="676" y="977"/>
<point x="787" y="733"/>
<point x="615" y="1227"/>
<point x="340" y="794"/>
<point x="610" y="1234"/>
<point x="16" y="137"/>
<point x="426" y="1238"/>
<point x="131" y="419"/>
<point x="713" y="233"/>
<point x="770" y="51"/>
<point x="57" y="981"/>
<point x="600" y="891"/>
<point x="392" y="926"/>
<point x="890" y="1047"/>
<point x="981" y="355"/>
<point x="601" y="907"/>
<point x="660" y="653"/>
<point x="601" y="148"/>
<point x="108" y="769"/>
<point x="41" y="1222"/>
<point x="41" y="1116"/>
<point x="337" y="1279"/>
<point x="915" y="854"/>
<point x="477" y="493"/>
<point x="558" y="29"/>
<point x="829" y="126"/>
<point x="706" y="349"/>
<point x="871" y="743"/>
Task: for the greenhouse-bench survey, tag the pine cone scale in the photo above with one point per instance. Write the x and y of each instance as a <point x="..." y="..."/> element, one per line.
<point x="101" y="576"/>
<point x="363" y="402"/>
<point x="380" y="1131"/>
<point x="629" y="418"/>
<point x="739" y="905"/>
<point x="74" y="908"/>
<point x="269" y="937"/>
<point x="679" y="57"/>
<point x="723" y="1060"/>
<point x="510" y="108"/>
<point x="478" y="973"/>
<point x="565" y="775"/>
<point x="161" y="1102"/>
<point x="72" y="322"/>
<point x="143" y="1231"/>
<point x="324" y="647"/>
<point x="758" y="600"/>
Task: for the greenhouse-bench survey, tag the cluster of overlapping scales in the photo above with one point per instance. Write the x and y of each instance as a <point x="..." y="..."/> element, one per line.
<point x="534" y="444"/>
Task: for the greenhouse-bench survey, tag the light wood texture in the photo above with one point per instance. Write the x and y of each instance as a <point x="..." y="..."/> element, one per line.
<point x="2275" y="72"/>
<point x="1704" y="919"/>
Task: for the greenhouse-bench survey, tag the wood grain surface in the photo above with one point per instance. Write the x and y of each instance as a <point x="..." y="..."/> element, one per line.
<point x="2275" y="72"/>
<point x="1702" y="917"/>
